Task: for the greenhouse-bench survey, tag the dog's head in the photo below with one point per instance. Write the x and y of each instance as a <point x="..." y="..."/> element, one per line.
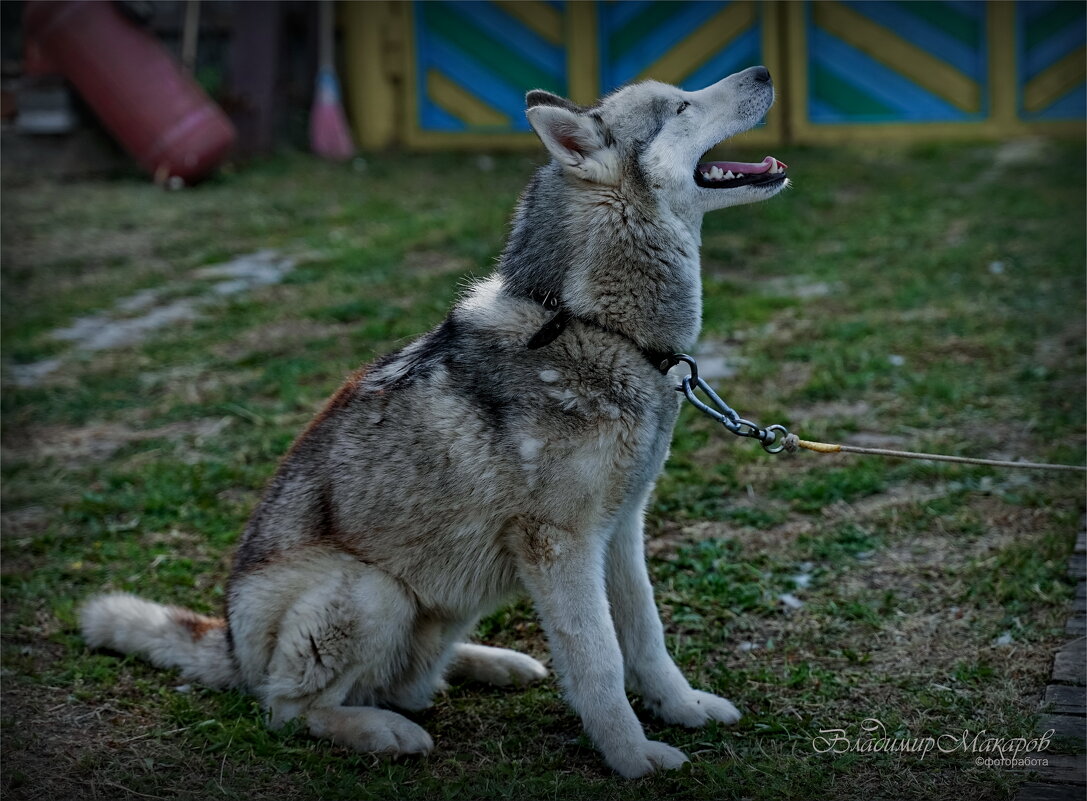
<point x="651" y="135"/>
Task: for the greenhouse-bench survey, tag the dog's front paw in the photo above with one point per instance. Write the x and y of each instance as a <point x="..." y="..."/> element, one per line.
<point x="645" y="758"/>
<point x="695" y="708"/>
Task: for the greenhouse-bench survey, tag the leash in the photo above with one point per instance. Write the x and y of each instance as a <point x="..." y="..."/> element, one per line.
<point x="777" y="438"/>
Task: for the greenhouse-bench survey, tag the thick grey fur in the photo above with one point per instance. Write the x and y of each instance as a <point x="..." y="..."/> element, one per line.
<point x="449" y="476"/>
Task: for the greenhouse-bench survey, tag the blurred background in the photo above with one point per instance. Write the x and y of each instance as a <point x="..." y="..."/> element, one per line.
<point x="439" y="75"/>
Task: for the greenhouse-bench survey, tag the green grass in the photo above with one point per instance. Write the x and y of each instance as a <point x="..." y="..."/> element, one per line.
<point x="915" y="295"/>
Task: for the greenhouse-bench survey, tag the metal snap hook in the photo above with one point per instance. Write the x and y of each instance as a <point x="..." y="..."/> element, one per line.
<point x="675" y="359"/>
<point x="772" y="443"/>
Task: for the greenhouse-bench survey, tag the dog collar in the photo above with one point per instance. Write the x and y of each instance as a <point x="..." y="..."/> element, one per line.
<point x="553" y="328"/>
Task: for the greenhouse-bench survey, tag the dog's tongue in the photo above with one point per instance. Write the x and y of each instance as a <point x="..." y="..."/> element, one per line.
<point x="747" y="168"/>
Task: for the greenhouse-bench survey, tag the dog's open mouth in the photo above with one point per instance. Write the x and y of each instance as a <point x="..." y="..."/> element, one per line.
<point x="730" y="174"/>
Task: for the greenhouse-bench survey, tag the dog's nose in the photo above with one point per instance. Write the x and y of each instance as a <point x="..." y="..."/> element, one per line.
<point x="760" y="74"/>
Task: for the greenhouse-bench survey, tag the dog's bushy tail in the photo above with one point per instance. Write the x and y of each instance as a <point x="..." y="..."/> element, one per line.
<point x="167" y="636"/>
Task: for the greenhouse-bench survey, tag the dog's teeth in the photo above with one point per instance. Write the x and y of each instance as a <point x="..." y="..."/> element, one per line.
<point x="707" y="176"/>
<point x="716" y="172"/>
<point x="729" y="176"/>
<point x="739" y="175"/>
<point x="776" y="168"/>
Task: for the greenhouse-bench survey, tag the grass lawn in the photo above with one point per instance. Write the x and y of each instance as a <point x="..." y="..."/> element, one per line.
<point x="925" y="297"/>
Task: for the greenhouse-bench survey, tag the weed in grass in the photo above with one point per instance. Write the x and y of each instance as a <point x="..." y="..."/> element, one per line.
<point x="1021" y="574"/>
<point x="756" y="516"/>
<point x="715" y="575"/>
<point x="820" y="488"/>
<point x="845" y="540"/>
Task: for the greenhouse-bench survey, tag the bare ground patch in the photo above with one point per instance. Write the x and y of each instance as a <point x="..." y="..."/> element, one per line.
<point x="138" y="316"/>
<point x="434" y="262"/>
<point x="75" y="445"/>
<point x="281" y="336"/>
<point x="55" y="746"/>
<point x="777" y="539"/>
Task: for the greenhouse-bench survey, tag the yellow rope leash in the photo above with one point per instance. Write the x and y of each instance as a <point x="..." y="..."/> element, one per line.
<point x="776" y="438"/>
<point x="793" y="443"/>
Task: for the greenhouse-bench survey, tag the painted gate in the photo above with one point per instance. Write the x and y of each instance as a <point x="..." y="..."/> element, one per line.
<point x="936" y="68"/>
<point x="453" y="73"/>
<point x="468" y="65"/>
<point x="1050" y="38"/>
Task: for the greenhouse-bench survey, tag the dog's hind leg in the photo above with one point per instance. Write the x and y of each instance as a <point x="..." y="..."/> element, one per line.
<point x="497" y="666"/>
<point x="351" y="629"/>
<point x="438" y="650"/>
<point x="369" y="730"/>
<point x="649" y="669"/>
<point x="431" y="649"/>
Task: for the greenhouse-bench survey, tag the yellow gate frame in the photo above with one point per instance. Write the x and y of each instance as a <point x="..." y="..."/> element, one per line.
<point x="381" y="86"/>
<point x="381" y="89"/>
<point x="1003" y="119"/>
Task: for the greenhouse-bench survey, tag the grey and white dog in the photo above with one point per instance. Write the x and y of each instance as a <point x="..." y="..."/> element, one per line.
<point x="512" y="448"/>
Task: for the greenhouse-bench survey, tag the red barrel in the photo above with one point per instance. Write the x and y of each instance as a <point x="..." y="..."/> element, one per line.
<point x="159" y="114"/>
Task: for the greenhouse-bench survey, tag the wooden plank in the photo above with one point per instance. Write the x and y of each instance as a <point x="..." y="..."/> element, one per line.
<point x="1062" y="768"/>
<point x="1036" y="791"/>
<point x="1063" y="699"/>
<point x="1070" y="663"/>
<point x="1003" y="75"/>
<point x="1077" y="624"/>
<point x="1064" y="775"/>
<point x="582" y="53"/>
<point x="1071" y="726"/>
<point x="795" y="42"/>
<point x="457" y="102"/>
<point x="1056" y="80"/>
<point x="254" y="70"/>
<point x="371" y="31"/>
<point x="1077" y="565"/>
<point x="836" y="134"/>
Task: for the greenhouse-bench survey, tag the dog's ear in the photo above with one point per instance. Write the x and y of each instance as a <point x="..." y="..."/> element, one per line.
<point x="579" y="142"/>
<point x="541" y="97"/>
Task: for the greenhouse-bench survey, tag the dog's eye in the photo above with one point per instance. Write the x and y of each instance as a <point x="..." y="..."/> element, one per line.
<point x="682" y="107"/>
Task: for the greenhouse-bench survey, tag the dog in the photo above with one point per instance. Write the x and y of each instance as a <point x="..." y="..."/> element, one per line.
<point x="513" y="448"/>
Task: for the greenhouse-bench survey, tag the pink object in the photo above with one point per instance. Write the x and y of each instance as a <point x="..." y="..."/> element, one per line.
<point x="329" y="134"/>
<point x="160" y="116"/>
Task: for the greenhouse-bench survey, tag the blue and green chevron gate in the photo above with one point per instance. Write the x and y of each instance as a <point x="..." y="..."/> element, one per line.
<point x="434" y="73"/>
<point x="475" y="61"/>
<point x="1050" y="40"/>
<point x="687" y="44"/>
<point x="874" y="62"/>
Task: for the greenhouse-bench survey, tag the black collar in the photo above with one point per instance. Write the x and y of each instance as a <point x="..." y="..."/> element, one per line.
<point x="553" y="328"/>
